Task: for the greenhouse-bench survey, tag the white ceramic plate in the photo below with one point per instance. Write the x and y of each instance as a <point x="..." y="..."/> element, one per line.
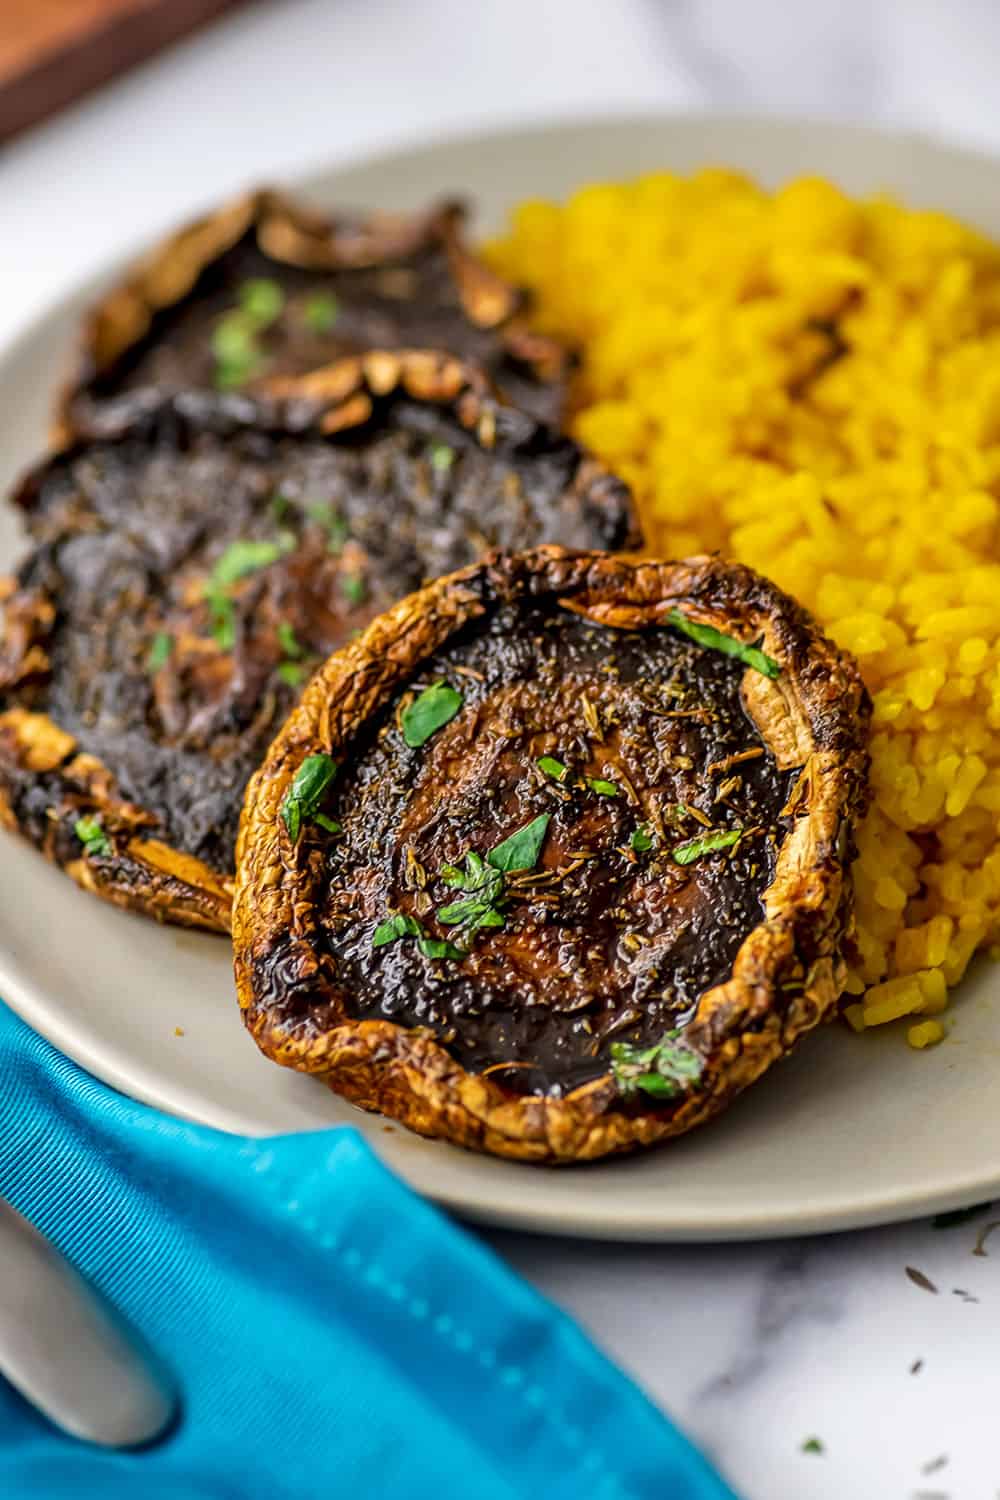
<point x="850" y="1131"/>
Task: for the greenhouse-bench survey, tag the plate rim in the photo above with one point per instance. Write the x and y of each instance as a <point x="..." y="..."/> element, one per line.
<point x="136" y="1080"/>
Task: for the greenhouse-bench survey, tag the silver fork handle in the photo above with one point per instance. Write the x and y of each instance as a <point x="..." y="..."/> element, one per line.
<point x="66" y="1349"/>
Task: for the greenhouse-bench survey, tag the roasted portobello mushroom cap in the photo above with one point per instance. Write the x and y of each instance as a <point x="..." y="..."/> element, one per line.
<point x="553" y="861"/>
<point x="265" y="286"/>
<point x="189" y="572"/>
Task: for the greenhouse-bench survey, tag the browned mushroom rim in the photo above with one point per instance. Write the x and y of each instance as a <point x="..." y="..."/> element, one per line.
<point x="526" y="828"/>
<point x="267" y="286"/>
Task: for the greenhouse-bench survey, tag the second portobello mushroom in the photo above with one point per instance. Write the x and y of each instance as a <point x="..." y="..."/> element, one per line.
<point x="194" y="565"/>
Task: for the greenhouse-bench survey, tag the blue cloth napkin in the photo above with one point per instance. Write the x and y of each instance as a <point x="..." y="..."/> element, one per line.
<point x="332" y="1335"/>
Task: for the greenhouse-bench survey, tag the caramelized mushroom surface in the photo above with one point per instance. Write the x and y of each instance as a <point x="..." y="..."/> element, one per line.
<point x="190" y="572"/>
<point x="552" y="860"/>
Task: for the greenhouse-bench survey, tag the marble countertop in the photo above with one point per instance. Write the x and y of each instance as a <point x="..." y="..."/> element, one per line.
<point x="755" y="1349"/>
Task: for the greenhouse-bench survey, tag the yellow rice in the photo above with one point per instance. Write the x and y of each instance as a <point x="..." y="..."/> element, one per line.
<point x="709" y="313"/>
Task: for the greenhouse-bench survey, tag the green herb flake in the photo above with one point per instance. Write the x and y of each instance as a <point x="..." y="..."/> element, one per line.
<point x="666" y="1070"/>
<point x="242" y="558"/>
<point x="458" y="912"/>
<point x="354" y="589"/>
<point x="237" y="355"/>
<point x="471" y="914"/>
<point x="287" y="641"/>
<point x="715" y="640"/>
<point x="642" y="839"/>
<point x="437" y="948"/>
<point x="603" y="788"/>
<point x="305" y="796"/>
<point x="223" y="620"/>
<point x="551" y="767"/>
<point x="435" y="707"/>
<point x="484" y="893"/>
<point x="234" y="341"/>
<point x="813" y="1445"/>
<point x="521" y="850"/>
<point x="293" y="673"/>
<point x="235" y="337"/>
<point x="321" y="311"/>
<point x="261" y="301"/>
<point x="477" y="876"/>
<point x="397" y="926"/>
<point x="711" y="843"/>
<point x="232" y="375"/>
<point x="280" y="506"/>
<point x="337" y="531"/>
<point x="159" y="651"/>
<point x="442" y="457"/>
<point x="401" y="926"/>
<point x="92" y="836"/>
<point x="330" y="824"/>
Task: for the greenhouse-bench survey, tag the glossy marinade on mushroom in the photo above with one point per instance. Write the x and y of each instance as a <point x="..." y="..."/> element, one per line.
<point x="190" y="571"/>
<point x="553" y="860"/>
<point x="267" y="286"/>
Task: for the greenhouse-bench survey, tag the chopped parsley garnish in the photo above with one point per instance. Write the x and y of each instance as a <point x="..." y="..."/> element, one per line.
<point x="665" y="1070"/>
<point x="240" y="559"/>
<point x="480" y="906"/>
<point x="159" y="651"/>
<point x="287" y="641"/>
<point x="558" y="771"/>
<point x="435" y="707"/>
<point x="642" y="840"/>
<point x="235" y="338"/>
<point x="812" y="1445"/>
<point x="280" y="506"/>
<point x="223" y="620"/>
<point x="521" y="850"/>
<point x="442" y="457"/>
<point x="482" y="883"/>
<point x="261" y="301"/>
<point x="320" y="311"/>
<point x="471" y="913"/>
<point x="709" y="843"/>
<point x="92" y="836"/>
<point x="237" y="353"/>
<point x="397" y="926"/>
<point x="332" y="522"/>
<point x="477" y="873"/>
<point x="305" y="796"/>
<point x="477" y="876"/>
<point x="475" y="911"/>
<point x="401" y="926"/>
<point x="354" y="589"/>
<point x="243" y="558"/>
<point x="439" y="948"/>
<point x="715" y="640"/>
<point x="291" y="672"/>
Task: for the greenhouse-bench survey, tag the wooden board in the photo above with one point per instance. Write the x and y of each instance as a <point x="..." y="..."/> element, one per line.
<point x="54" y="51"/>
